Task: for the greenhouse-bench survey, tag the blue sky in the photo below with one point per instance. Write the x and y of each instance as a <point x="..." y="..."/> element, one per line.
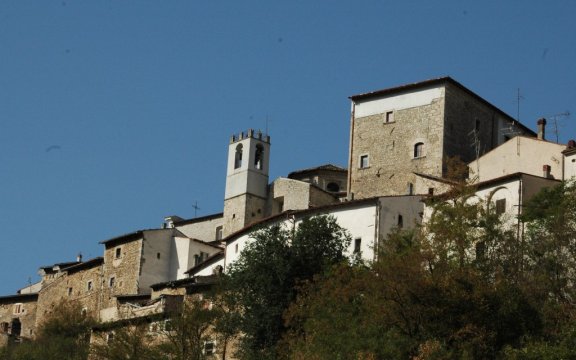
<point x="115" y="114"/>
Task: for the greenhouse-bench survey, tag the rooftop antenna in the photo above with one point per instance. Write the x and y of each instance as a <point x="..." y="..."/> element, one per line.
<point x="476" y="145"/>
<point x="555" y="119"/>
<point x="196" y="208"/>
<point x="518" y="98"/>
<point x="267" y="124"/>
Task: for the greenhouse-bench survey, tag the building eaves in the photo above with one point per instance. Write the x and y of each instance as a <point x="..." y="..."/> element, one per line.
<point x="97" y="261"/>
<point x="436" y="178"/>
<point x="9" y="299"/>
<point x="122" y="239"/>
<point x="198" y="219"/>
<point x="58" y="266"/>
<point x="209" y="261"/>
<point x="187" y="282"/>
<point x="298" y="213"/>
<point x="325" y="167"/>
<point x="434" y="82"/>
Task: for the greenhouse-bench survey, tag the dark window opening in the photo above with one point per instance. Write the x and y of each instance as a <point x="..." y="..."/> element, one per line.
<point x="430" y="191"/>
<point x="500" y="206"/>
<point x="357" y="245"/>
<point x="333" y="187"/>
<point x="16" y="327"/>
<point x="418" y="150"/>
<point x="238" y="157"/>
<point x="158" y="256"/>
<point x="400" y="221"/>
<point x="118" y="253"/>
<point x="259" y="157"/>
<point x="209" y="348"/>
<point x="219" y="233"/>
<point x="410" y="188"/>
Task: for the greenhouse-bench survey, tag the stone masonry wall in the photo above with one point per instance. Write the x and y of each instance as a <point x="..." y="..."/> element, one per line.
<point x="241" y="211"/>
<point x="390" y="147"/>
<point x="72" y="288"/>
<point x="23" y="310"/>
<point x="124" y="269"/>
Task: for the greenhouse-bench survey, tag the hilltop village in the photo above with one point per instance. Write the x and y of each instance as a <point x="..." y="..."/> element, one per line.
<point x="400" y="139"/>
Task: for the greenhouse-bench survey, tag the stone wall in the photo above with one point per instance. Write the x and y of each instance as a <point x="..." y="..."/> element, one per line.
<point x="390" y="149"/>
<point x="82" y="287"/>
<point x="124" y="270"/>
<point x="17" y="308"/>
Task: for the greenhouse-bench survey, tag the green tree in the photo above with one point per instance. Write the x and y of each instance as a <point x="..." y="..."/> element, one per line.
<point x="262" y="283"/>
<point x="131" y="342"/>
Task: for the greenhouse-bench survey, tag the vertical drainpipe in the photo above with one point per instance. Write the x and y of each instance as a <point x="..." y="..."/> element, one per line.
<point x="352" y="115"/>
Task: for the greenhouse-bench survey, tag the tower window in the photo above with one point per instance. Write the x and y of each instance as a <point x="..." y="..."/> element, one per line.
<point x="400" y="221"/>
<point x="238" y="157"/>
<point x="390" y="116"/>
<point x="418" y="150"/>
<point x="118" y="253"/>
<point x="259" y="157"/>
<point x="364" y="161"/>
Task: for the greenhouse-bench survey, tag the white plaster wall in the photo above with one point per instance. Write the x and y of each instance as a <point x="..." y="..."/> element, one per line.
<point x="411" y="209"/>
<point x="182" y="256"/>
<point x="202" y="230"/>
<point x="397" y="102"/>
<point x="570" y="167"/>
<point x="155" y="270"/>
<point x="209" y="270"/>
<point x="520" y="154"/>
<point x="360" y="221"/>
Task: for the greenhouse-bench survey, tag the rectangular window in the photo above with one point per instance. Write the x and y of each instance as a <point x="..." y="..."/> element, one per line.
<point x="390" y="116"/>
<point x="209" y="347"/>
<point x="219" y="233"/>
<point x="410" y="189"/>
<point x="500" y="206"/>
<point x="357" y="245"/>
<point x="18" y="308"/>
<point x="69" y="291"/>
<point x="118" y="253"/>
<point x="364" y="161"/>
<point x="400" y="221"/>
<point x="236" y="249"/>
<point x="89" y="286"/>
<point x="111" y="282"/>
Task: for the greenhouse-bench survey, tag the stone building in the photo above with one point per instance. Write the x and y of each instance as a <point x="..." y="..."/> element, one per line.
<point x="17" y="317"/>
<point x="414" y="128"/>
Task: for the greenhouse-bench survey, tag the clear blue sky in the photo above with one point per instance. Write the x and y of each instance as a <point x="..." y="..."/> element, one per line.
<point x="114" y="114"/>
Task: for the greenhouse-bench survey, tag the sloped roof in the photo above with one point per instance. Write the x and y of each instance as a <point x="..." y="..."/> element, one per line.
<point x="328" y="167"/>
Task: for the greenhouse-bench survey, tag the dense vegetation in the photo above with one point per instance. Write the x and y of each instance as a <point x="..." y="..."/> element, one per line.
<point x="465" y="286"/>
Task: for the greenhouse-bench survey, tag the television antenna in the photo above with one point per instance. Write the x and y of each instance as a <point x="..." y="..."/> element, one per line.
<point x="556" y="118"/>
<point x="195" y="207"/>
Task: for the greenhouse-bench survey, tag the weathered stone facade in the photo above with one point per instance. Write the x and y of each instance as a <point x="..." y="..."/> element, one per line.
<point x="81" y="284"/>
<point x="413" y="129"/>
<point x="17" y="317"/>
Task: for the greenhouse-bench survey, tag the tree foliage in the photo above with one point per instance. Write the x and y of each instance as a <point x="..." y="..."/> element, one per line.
<point x="263" y="281"/>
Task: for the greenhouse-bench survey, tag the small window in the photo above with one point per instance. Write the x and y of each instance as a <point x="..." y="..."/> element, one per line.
<point x="84" y="312"/>
<point x="118" y="253"/>
<point x="390" y="116"/>
<point x="430" y="191"/>
<point x="238" y="157"/>
<point x="333" y="187"/>
<point x="209" y="348"/>
<point x="18" y="309"/>
<point x="70" y="290"/>
<point x="111" y="282"/>
<point x="400" y="221"/>
<point x="110" y="338"/>
<point x="500" y="206"/>
<point x="219" y="233"/>
<point x="477" y="125"/>
<point x="236" y="248"/>
<point x="410" y="188"/>
<point x="364" y="161"/>
<point x="89" y="286"/>
<point x="357" y="245"/>
<point x="259" y="157"/>
<point x="158" y="256"/>
<point x="4" y="327"/>
<point x="418" y="150"/>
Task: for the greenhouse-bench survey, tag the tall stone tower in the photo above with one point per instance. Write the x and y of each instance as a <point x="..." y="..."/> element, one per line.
<point x="246" y="180"/>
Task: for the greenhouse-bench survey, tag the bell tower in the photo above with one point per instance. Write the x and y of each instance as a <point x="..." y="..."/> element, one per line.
<point x="246" y="180"/>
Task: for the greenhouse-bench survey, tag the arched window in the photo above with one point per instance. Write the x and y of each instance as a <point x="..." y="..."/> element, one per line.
<point x="418" y="150"/>
<point x="259" y="157"/>
<point x="238" y="157"/>
<point x="333" y="187"/>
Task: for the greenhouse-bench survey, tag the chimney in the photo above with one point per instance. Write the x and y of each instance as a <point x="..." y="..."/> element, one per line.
<point x="571" y="144"/>
<point x="79" y="257"/>
<point x="546" y="171"/>
<point x="541" y="129"/>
